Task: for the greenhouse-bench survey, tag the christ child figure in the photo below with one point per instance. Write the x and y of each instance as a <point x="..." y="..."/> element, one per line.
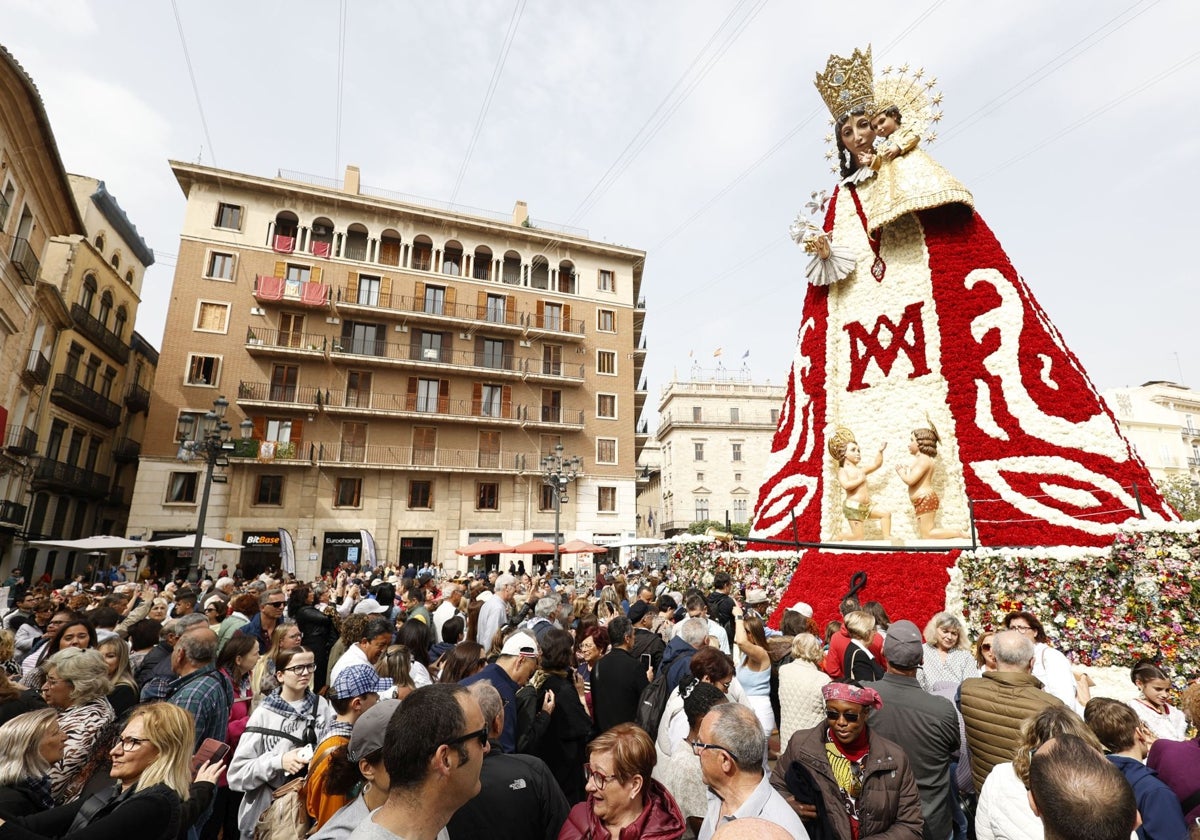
<point x="896" y="140"/>
<point x="918" y="475"/>
<point x="853" y="477"/>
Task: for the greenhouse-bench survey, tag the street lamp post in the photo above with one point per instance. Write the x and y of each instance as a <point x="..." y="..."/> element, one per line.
<point x="557" y="473"/>
<point x="212" y="442"/>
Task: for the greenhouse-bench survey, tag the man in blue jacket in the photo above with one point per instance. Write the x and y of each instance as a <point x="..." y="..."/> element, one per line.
<point x="688" y="639"/>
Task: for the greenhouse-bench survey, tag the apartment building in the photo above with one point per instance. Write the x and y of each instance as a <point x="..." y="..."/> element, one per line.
<point x="71" y="268"/>
<point x="1162" y="421"/>
<point x="404" y="368"/>
<point x="714" y="436"/>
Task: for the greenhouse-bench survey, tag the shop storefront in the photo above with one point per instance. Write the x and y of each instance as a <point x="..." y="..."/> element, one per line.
<point x="260" y="553"/>
<point x="341" y="547"/>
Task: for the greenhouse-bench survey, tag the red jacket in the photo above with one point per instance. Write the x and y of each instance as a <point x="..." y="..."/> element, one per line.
<point x="661" y="819"/>
<point x="837" y="653"/>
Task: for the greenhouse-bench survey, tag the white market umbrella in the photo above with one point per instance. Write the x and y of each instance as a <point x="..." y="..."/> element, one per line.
<point x="97" y="543"/>
<point x="210" y="543"/>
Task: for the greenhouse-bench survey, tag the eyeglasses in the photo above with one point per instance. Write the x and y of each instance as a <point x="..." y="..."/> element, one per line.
<point x="986" y="646"/>
<point x="480" y="735"/>
<point x="128" y="743"/>
<point x="596" y="777"/>
<point x="276" y="604"/>
<point x="306" y="668"/>
<point x="851" y="717"/>
<point x="210" y="609"/>
<point x="699" y="746"/>
<point x="1021" y="628"/>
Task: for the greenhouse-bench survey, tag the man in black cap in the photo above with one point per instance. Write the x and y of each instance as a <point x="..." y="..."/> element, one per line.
<point x="925" y="725"/>
<point x="645" y="640"/>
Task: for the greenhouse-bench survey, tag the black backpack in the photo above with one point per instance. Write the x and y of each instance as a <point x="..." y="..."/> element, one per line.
<point x="652" y="702"/>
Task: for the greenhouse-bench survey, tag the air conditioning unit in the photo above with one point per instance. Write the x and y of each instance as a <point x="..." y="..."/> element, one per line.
<point x="320" y="230"/>
<point x="465" y="336"/>
<point x="525" y="343"/>
<point x="333" y="320"/>
<point x="401" y="328"/>
<point x="337" y="347"/>
<point x="257" y="310"/>
<point x="430" y="354"/>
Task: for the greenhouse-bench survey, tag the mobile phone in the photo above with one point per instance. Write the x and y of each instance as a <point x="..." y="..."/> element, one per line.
<point x="211" y="750"/>
<point x="646" y="660"/>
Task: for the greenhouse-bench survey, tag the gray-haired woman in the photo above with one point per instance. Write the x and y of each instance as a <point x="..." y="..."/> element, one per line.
<point x="77" y="684"/>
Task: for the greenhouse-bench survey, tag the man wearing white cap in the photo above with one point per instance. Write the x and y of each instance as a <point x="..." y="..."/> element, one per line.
<point x="517" y="661"/>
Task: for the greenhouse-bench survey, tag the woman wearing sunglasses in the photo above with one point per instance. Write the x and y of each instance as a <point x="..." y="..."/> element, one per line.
<point x="279" y="738"/>
<point x="843" y="780"/>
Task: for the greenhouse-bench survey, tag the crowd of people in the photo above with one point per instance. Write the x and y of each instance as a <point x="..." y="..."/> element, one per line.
<point x="403" y="703"/>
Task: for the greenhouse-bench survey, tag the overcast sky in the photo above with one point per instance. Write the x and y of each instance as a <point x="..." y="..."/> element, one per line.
<point x="688" y="129"/>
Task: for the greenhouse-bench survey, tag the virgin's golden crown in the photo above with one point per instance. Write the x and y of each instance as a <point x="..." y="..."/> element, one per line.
<point x="847" y="83"/>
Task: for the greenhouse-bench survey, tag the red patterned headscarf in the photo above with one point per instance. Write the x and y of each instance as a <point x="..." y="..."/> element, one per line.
<point x="852" y="694"/>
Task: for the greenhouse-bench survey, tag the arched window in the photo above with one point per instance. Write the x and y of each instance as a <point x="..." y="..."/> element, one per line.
<point x="355" y="247"/>
<point x="422" y="253"/>
<point x="119" y="323"/>
<point x="481" y="265"/>
<point x="452" y="258"/>
<point x="99" y="242"/>
<point x="129" y="277"/>
<point x="511" y="269"/>
<point x="389" y="247"/>
<point x="566" y="278"/>
<point x="106" y="302"/>
<point x="539" y="273"/>
<point x="88" y="295"/>
<point x="116" y="261"/>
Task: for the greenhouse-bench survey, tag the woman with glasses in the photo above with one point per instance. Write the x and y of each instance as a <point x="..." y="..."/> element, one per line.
<point x="843" y="780"/>
<point x="154" y="796"/>
<point x="1049" y="665"/>
<point x="285" y="637"/>
<point x="77" y="684"/>
<point x="984" y="657"/>
<point x="278" y="741"/>
<point x="623" y="801"/>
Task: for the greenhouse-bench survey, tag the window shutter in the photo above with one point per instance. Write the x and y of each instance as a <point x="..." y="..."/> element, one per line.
<point x="260" y="427"/>
<point x="506" y="401"/>
<point x="450" y="301"/>
<point x="481" y="305"/>
<point x="476" y="398"/>
<point x="443" y="396"/>
<point x="541" y="314"/>
<point x="297" y="433"/>
<point x="410" y="400"/>
<point x="314" y="276"/>
<point x="510" y="310"/>
<point x="280" y="268"/>
<point x="566" y="324"/>
<point x="418" y="296"/>
<point x="510" y="361"/>
<point x="385" y="292"/>
<point x="352" y="287"/>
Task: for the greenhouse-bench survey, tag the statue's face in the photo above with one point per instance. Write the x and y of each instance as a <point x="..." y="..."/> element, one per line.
<point x="884" y="124"/>
<point x="853" y="454"/>
<point x="912" y="444"/>
<point x="857" y="134"/>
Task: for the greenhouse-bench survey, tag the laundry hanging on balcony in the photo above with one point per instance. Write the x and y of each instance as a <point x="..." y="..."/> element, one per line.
<point x="320" y="249"/>
<point x="284" y="244"/>
<point x="314" y="294"/>
<point x="269" y="288"/>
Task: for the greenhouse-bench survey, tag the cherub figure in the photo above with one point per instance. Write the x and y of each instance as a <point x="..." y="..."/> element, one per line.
<point x="853" y="477"/>
<point x="918" y="475"/>
<point x="898" y="141"/>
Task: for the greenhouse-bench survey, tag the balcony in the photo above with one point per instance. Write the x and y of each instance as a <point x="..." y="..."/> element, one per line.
<point x="439" y="311"/>
<point x="557" y="416"/>
<point x="36" y="370"/>
<point x="265" y="342"/>
<point x="126" y="451"/>
<point x="13" y="513"/>
<point x="409" y="355"/>
<point x="303" y="292"/>
<point x="57" y="477"/>
<point x="25" y="261"/>
<point x="294" y="451"/>
<point x="137" y="399"/>
<point x="90" y="326"/>
<point x="423" y="460"/>
<point x="21" y="441"/>
<point x="268" y="394"/>
<point x="1189" y="432"/>
<point x="83" y="401"/>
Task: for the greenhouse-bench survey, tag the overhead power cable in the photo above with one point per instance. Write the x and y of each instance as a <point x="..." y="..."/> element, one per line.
<point x="195" y="88"/>
<point x="501" y="60"/>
